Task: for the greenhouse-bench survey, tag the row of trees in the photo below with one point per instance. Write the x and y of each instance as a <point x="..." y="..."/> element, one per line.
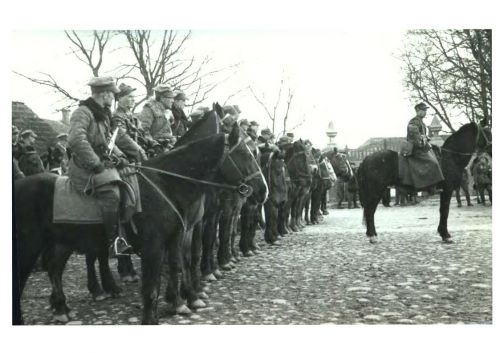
<point x="154" y="57"/>
<point x="451" y="71"/>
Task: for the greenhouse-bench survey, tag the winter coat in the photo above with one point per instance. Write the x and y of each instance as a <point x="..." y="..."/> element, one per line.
<point x="88" y="138"/>
<point x="155" y="120"/>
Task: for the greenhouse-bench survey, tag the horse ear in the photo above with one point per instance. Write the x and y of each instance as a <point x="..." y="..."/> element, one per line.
<point x="235" y="135"/>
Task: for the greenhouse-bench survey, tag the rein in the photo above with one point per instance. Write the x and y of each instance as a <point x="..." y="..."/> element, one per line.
<point x="480" y="131"/>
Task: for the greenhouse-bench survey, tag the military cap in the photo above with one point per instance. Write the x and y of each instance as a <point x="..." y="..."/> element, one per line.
<point x="179" y="95"/>
<point x="284" y="140"/>
<point x="62" y="135"/>
<point x="244" y="122"/>
<point x="103" y="84"/>
<point x="254" y="123"/>
<point x="164" y="90"/>
<point x="266" y="131"/>
<point x="237" y="108"/>
<point x="229" y="109"/>
<point x="28" y="132"/>
<point x="15" y="130"/>
<point x="421" y="106"/>
<point x="290" y="134"/>
<point x="125" y="90"/>
<point x="199" y="111"/>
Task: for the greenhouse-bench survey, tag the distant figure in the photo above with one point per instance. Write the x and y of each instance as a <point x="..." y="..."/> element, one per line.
<point x="28" y="159"/>
<point x="16" y="172"/>
<point x="181" y="123"/>
<point x="481" y="171"/>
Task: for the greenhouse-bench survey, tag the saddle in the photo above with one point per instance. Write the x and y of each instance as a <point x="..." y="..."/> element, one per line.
<point x="72" y="206"/>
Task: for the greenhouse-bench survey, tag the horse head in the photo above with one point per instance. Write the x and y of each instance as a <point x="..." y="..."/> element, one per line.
<point x="296" y="161"/>
<point x="341" y="166"/>
<point x="239" y="167"/>
<point x="484" y="140"/>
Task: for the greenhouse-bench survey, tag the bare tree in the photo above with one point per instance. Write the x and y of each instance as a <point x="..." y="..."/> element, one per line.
<point x="451" y="71"/>
<point x="272" y="111"/>
<point x="89" y="51"/>
<point x="159" y="60"/>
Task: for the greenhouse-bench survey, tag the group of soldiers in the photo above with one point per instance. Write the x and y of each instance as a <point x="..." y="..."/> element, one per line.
<point x="100" y="142"/>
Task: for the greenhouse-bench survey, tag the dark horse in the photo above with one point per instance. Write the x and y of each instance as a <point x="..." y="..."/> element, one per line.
<point x="380" y="170"/>
<point x="160" y="225"/>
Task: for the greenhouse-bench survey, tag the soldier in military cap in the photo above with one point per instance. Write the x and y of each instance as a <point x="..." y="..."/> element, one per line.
<point x="181" y="123"/>
<point x="253" y="130"/>
<point x="198" y="113"/>
<point x="29" y="162"/>
<point x="125" y="119"/>
<point x="244" y="124"/>
<point x="423" y="167"/>
<point x="156" y="115"/>
<point x="16" y="172"/>
<point x="95" y="158"/>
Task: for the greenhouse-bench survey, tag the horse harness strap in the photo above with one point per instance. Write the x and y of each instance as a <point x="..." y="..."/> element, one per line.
<point x="165" y="198"/>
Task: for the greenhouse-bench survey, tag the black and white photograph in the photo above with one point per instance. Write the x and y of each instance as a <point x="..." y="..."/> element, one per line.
<point x="213" y="175"/>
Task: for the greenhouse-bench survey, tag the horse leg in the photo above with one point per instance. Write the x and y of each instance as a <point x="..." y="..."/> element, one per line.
<point x="254" y="219"/>
<point x="444" y="210"/>
<point x="151" y="264"/>
<point x="369" y="212"/>
<point x="245" y="230"/>
<point x="208" y="240"/>
<point x="267" y="213"/>
<point x="273" y="219"/>
<point x="196" y="254"/>
<point x="108" y="282"/>
<point x="187" y="288"/>
<point x="481" y="193"/>
<point x="224" y="253"/>
<point x="93" y="284"/>
<point x="306" y="210"/>
<point x="55" y="266"/>
<point x="458" y="198"/>
<point x="126" y="269"/>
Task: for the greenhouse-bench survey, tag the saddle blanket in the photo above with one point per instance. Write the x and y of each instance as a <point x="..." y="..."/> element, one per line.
<point x="70" y="206"/>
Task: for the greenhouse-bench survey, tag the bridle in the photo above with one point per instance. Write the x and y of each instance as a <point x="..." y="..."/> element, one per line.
<point x="242" y="188"/>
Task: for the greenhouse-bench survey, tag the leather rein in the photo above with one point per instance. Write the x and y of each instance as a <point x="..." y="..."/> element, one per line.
<point x="242" y="188"/>
<point x="480" y="132"/>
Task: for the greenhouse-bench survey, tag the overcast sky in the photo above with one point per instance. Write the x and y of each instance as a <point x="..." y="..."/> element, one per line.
<point x="352" y="78"/>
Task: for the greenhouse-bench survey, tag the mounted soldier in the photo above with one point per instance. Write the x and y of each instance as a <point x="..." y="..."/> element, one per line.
<point x="421" y="170"/>
<point x="181" y="122"/>
<point x="125" y="119"/>
<point x="155" y="118"/>
<point x="16" y="172"/>
<point x="97" y="152"/>
<point x="29" y="161"/>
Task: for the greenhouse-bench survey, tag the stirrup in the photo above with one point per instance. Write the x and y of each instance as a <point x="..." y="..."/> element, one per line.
<point x="126" y="246"/>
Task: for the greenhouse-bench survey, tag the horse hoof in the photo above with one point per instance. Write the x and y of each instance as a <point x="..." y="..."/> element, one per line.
<point x="183" y="310"/>
<point x="126" y="279"/>
<point x="232" y="264"/>
<point x="247" y="254"/>
<point x="203" y="295"/>
<point x="373" y="240"/>
<point x="206" y="289"/>
<point x="63" y="318"/>
<point x="226" y="267"/>
<point x="210" y="277"/>
<point x="448" y="241"/>
<point x="276" y="243"/>
<point x="100" y="297"/>
<point x="198" y="304"/>
<point x="135" y="278"/>
<point x="217" y="274"/>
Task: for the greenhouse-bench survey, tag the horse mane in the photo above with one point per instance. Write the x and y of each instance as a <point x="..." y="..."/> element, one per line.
<point x="207" y="125"/>
<point x="457" y="138"/>
<point x="194" y="159"/>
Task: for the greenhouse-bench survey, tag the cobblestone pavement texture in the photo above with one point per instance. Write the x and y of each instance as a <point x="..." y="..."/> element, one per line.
<point x="326" y="274"/>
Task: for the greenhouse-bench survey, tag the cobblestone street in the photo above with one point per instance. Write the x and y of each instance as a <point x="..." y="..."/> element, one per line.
<point x="327" y="274"/>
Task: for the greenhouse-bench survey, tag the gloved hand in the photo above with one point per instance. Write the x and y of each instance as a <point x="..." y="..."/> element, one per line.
<point x="99" y="168"/>
<point x="120" y="162"/>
